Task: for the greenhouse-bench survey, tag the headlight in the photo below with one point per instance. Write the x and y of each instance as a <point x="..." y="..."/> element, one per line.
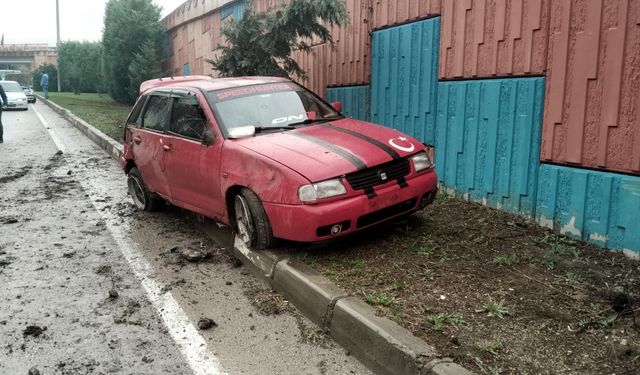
<point x="421" y="161"/>
<point x="319" y="190"/>
<point x="21" y="99"/>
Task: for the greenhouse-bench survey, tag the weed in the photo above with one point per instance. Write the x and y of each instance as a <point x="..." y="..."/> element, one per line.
<point x="307" y="259"/>
<point x="381" y="299"/>
<point x="455" y="319"/>
<point x="441" y="197"/>
<point x="436" y="320"/>
<point x="572" y="277"/>
<point x="461" y="355"/>
<point x="396" y="314"/>
<point x="357" y="263"/>
<point x="443" y="255"/>
<point x="425" y="249"/>
<point x="492" y="346"/>
<point x="608" y="320"/>
<point x="557" y="248"/>
<point x="330" y="274"/>
<point x="602" y="321"/>
<point x="496" y="309"/>
<point x="506" y="260"/>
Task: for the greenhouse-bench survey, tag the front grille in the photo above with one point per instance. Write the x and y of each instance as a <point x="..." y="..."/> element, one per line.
<point x="370" y="177"/>
<point x="385" y="213"/>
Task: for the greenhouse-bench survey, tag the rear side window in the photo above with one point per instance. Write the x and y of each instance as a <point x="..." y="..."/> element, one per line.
<point x="187" y="118"/>
<point x="134" y="117"/>
<point x="157" y="113"/>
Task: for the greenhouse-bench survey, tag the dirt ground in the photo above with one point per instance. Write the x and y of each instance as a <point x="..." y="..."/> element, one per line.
<point x="498" y="294"/>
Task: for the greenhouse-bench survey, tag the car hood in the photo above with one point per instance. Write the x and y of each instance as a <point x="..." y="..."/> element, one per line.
<point x="331" y="149"/>
<point x="15" y="95"/>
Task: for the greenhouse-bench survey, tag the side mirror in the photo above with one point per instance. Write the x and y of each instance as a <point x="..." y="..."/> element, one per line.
<point x="337" y="106"/>
<point x="208" y="137"/>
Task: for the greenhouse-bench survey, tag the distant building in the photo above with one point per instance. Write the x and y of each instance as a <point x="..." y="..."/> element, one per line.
<point x="17" y="61"/>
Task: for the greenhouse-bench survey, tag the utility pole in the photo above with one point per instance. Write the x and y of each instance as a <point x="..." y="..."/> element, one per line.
<point x="58" y="41"/>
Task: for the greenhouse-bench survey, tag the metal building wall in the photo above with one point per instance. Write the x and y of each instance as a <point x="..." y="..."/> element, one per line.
<point x="488" y="138"/>
<point x="493" y="38"/>
<point x="404" y="78"/>
<point x="355" y="100"/>
<point x="590" y="205"/>
<point x="592" y="111"/>
<point x="393" y="12"/>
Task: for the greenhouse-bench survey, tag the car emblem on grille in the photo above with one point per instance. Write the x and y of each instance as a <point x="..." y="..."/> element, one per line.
<point x="383" y="176"/>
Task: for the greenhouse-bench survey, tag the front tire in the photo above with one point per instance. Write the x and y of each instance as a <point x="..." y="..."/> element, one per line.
<point x="251" y="222"/>
<point x="142" y="198"/>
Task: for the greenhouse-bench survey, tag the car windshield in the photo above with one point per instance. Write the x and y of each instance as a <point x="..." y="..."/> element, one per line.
<point x="11" y="87"/>
<point x="272" y="105"/>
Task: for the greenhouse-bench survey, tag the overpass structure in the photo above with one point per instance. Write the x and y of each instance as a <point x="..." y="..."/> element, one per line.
<point x="17" y="61"/>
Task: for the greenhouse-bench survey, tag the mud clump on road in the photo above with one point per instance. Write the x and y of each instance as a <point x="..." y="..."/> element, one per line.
<point x="33" y="330"/>
<point x="12" y="177"/>
<point x="206" y="323"/>
<point x="8" y="220"/>
<point x="34" y="371"/>
<point x="104" y="269"/>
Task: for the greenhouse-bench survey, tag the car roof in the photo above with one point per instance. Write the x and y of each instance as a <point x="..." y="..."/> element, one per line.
<point x="206" y="83"/>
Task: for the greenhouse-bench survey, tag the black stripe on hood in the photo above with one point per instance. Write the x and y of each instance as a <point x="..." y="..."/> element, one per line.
<point x="359" y="164"/>
<point x="394" y="155"/>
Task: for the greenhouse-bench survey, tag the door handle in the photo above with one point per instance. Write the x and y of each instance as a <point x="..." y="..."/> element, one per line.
<point x="137" y="140"/>
<point x="166" y="147"/>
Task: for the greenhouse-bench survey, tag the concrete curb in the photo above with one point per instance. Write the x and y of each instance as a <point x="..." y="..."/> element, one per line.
<point x="108" y="144"/>
<point x="382" y="345"/>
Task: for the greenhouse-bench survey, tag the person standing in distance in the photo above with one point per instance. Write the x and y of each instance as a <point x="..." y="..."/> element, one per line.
<point x="4" y="102"/>
<point x="44" y="82"/>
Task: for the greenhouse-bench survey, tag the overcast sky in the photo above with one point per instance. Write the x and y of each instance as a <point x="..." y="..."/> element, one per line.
<point x="34" y="21"/>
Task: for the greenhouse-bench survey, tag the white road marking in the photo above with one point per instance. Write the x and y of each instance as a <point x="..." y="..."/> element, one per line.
<point x="191" y="344"/>
<point x="52" y="134"/>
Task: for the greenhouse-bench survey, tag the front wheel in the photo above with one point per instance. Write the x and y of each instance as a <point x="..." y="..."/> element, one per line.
<point x="252" y="223"/>
<point x="142" y="198"/>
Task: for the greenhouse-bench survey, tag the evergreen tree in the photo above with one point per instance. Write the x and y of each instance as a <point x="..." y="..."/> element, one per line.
<point x="262" y="43"/>
<point x="132" y="28"/>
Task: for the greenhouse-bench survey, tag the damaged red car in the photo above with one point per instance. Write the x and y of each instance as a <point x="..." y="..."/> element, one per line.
<point x="270" y="158"/>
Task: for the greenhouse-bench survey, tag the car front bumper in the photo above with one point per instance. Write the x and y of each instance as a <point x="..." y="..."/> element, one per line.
<point x="16" y="105"/>
<point x="319" y="222"/>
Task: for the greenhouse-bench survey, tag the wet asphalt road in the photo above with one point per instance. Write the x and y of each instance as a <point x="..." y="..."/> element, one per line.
<point x="91" y="286"/>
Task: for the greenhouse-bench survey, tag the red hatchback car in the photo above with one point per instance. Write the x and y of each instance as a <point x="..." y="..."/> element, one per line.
<point x="270" y="158"/>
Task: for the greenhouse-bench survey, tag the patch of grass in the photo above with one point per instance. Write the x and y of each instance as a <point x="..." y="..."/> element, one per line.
<point x="496" y="309"/>
<point x="506" y="260"/>
<point x="443" y="255"/>
<point x="439" y="320"/>
<point x="380" y="300"/>
<point x="357" y="263"/>
<point x="98" y="110"/>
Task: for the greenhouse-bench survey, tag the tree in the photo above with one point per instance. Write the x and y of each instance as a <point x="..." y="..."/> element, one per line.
<point x="80" y="65"/>
<point x="143" y="67"/>
<point x="262" y="43"/>
<point x="131" y="28"/>
<point x="51" y="70"/>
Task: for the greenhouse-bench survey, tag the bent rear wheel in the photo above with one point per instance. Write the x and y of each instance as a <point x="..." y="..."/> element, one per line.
<point x="252" y="223"/>
<point x="142" y="199"/>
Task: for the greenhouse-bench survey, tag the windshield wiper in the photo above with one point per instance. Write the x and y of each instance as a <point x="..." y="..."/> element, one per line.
<point x="267" y="128"/>
<point x="312" y="121"/>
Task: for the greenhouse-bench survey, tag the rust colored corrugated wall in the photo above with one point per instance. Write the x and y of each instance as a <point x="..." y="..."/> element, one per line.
<point x="493" y="38"/>
<point x="592" y="105"/>
<point x="393" y="12"/>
